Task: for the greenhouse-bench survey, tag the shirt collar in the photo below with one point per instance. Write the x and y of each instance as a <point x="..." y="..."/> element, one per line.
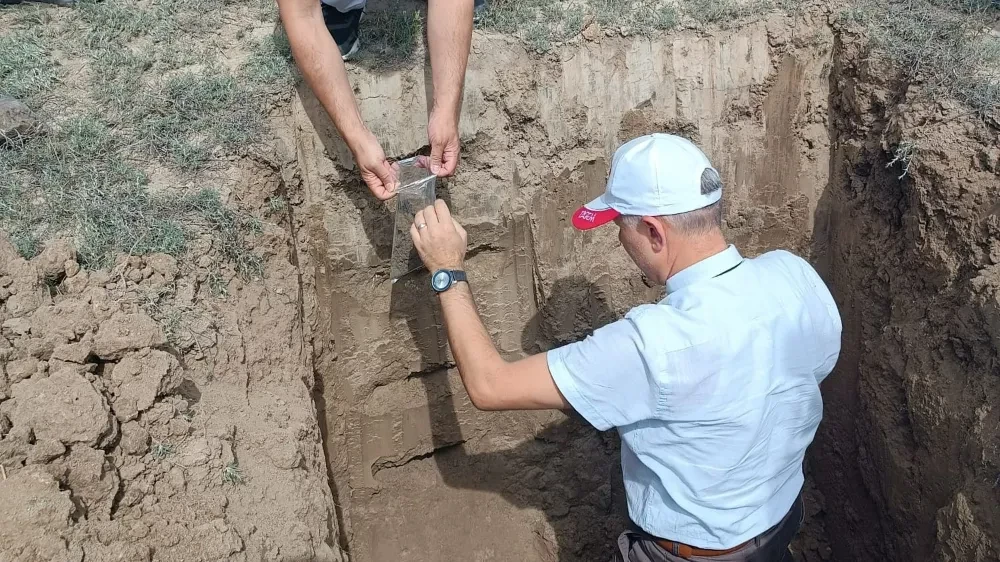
<point x="705" y="269"/>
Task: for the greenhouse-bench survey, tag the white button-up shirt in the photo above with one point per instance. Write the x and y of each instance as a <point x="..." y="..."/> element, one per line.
<point x="715" y="392"/>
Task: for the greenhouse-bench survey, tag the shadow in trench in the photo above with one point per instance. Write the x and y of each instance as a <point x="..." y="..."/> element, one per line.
<point x="569" y="471"/>
<point x="848" y="509"/>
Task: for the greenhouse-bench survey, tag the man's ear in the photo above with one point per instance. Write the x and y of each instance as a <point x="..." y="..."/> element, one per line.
<point x="656" y="231"/>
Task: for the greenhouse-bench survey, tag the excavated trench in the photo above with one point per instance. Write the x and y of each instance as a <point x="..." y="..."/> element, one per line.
<point x="802" y="130"/>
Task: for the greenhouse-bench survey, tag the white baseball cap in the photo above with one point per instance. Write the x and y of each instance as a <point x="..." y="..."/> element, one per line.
<point x="653" y="175"/>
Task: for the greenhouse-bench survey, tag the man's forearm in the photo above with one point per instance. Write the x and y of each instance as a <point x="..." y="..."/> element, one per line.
<point x="449" y="37"/>
<point x="318" y="58"/>
<point x="477" y="358"/>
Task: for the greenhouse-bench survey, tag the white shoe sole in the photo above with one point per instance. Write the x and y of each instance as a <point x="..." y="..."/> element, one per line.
<point x="354" y="50"/>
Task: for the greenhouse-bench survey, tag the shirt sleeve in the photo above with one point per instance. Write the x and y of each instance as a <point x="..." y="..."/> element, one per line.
<point x="606" y="377"/>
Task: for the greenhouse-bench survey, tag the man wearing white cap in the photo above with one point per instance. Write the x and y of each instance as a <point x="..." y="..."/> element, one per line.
<point x="714" y="389"/>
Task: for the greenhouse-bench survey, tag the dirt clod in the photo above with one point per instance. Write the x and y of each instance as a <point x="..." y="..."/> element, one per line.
<point x="63" y="406"/>
<point x="45" y="450"/>
<point x="51" y="263"/>
<point x="72" y="352"/>
<point x="38" y="533"/>
<point x="127" y="332"/>
<point x="140" y="378"/>
<point x="17" y="122"/>
<point x="92" y="478"/>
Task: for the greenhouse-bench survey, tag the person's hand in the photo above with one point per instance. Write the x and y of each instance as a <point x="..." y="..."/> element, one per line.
<point x="438" y="238"/>
<point x="442" y="132"/>
<point x="380" y="175"/>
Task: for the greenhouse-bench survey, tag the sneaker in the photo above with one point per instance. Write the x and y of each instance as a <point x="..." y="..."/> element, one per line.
<point x="345" y="28"/>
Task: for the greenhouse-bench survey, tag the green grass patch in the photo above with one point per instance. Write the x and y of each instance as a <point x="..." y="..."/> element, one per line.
<point x="158" y="93"/>
<point x="271" y="66"/>
<point x="110" y="23"/>
<point x="77" y="182"/>
<point x="943" y="44"/>
<point x="26" y="70"/>
<point x="196" y="113"/>
<point x="120" y="74"/>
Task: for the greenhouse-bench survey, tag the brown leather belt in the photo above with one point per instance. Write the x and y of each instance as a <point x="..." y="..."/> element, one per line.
<point x="687" y="551"/>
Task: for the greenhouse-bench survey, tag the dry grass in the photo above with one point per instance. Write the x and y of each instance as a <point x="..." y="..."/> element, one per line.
<point x="25" y="68"/>
<point x="945" y="45"/>
<point x="390" y="38"/>
<point x="542" y="23"/>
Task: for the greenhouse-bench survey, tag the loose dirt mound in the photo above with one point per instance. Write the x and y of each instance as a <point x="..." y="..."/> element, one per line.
<point x="129" y="437"/>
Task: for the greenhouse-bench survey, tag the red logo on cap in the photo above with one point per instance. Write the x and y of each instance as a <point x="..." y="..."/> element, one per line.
<point x="585" y="219"/>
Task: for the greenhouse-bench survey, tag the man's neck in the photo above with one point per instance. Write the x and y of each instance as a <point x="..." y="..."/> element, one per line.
<point x="697" y="249"/>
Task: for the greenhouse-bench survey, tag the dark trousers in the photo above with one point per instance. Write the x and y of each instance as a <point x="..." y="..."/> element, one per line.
<point x="769" y="546"/>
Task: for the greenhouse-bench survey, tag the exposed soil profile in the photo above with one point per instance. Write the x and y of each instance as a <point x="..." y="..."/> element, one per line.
<point x="316" y="414"/>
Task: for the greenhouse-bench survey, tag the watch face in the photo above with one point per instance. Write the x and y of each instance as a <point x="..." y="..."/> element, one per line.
<point x="440" y="280"/>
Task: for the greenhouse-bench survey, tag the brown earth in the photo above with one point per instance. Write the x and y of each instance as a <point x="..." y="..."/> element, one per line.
<point x="116" y="432"/>
<point x="126" y="394"/>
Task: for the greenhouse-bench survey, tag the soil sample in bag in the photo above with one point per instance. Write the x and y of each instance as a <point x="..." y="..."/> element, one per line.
<point x="416" y="191"/>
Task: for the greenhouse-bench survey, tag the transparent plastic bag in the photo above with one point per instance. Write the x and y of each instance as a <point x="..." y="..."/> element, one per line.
<point x="417" y="190"/>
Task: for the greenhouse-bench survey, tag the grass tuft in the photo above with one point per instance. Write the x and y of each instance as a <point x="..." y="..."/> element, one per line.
<point x="163" y="450"/>
<point x="276" y="205"/>
<point x="231" y="228"/>
<point x="77" y="182"/>
<point x="541" y="23"/>
<point x="232" y="474"/>
<point x="217" y="284"/>
<point x="112" y="23"/>
<point x="198" y="112"/>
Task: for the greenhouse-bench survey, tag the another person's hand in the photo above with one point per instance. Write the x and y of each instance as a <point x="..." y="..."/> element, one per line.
<point x="380" y="175"/>
<point x="438" y="238"/>
<point x="442" y="132"/>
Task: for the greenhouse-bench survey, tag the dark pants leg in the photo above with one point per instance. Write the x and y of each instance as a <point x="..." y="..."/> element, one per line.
<point x="770" y="546"/>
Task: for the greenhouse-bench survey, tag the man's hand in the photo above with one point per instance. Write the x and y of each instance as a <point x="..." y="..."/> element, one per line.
<point x="449" y="37"/>
<point x="318" y="56"/>
<point x="376" y="170"/>
<point x="442" y="132"/>
<point x="438" y="238"/>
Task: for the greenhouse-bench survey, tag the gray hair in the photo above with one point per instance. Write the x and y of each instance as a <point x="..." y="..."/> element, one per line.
<point x="697" y="222"/>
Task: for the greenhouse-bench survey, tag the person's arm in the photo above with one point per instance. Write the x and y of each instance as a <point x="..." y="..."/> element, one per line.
<point x="319" y="59"/>
<point x="449" y="38"/>
<point x="492" y="382"/>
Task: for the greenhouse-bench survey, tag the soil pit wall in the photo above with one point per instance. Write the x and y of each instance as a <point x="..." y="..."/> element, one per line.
<point x="419" y="473"/>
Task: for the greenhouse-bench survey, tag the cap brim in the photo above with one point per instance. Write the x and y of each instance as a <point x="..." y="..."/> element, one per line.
<point x="594" y="214"/>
